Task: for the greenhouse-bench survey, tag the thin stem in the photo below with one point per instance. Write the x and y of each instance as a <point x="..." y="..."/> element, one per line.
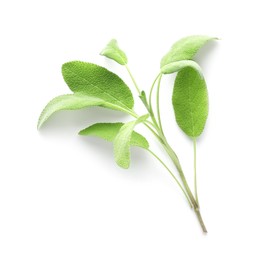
<point x="151" y="90"/>
<point x="162" y="139"/>
<point x="146" y="123"/>
<point x="198" y="214"/>
<point x="173" y="176"/>
<point x="153" y="132"/>
<point x="150" y="102"/>
<point x="175" y="160"/>
<point x="133" y="80"/>
<point x="195" y="171"/>
<point x="157" y="103"/>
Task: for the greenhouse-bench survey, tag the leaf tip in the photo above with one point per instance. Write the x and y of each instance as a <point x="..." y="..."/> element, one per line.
<point x="82" y="132"/>
<point x="40" y="122"/>
<point x="123" y="165"/>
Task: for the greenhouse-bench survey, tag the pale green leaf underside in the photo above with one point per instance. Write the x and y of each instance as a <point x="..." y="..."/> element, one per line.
<point x="67" y="102"/>
<point x="94" y="80"/>
<point x="72" y="102"/>
<point x="179" y="65"/>
<point x="190" y="101"/>
<point x="108" y="132"/>
<point x="122" y="142"/>
<point x="113" y="51"/>
<point x="185" y="49"/>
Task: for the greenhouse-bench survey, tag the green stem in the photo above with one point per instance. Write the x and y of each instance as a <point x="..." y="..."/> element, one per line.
<point x="157" y="103"/>
<point x="133" y="80"/>
<point x="173" y="176"/>
<point x="176" y="162"/>
<point x="150" y="102"/>
<point x="195" y="171"/>
<point x="162" y="139"/>
<point x="196" y="208"/>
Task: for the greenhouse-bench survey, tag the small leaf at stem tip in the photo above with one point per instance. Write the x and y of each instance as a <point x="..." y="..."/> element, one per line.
<point x="108" y="132"/>
<point x="122" y="142"/>
<point x="185" y="48"/>
<point x="190" y="101"/>
<point x="113" y="51"/>
<point x="179" y="65"/>
<point x="144" y="100"/>
<point x="93" y="80"/>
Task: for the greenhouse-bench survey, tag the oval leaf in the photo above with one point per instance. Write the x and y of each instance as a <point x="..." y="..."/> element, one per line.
<point x="122" y="142"/>
<point x="94" y="80"/>
<point x="68" y="102"/>
<point x="190" y="102"/>
<point x="185" y="49"/>
<point x="108" y="132"/>
<point x="113" y="51"/>
<point x="179" y="65"/>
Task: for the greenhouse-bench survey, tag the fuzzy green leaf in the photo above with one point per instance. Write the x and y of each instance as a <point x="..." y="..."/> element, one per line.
<point x="94" y="80"/>
<point x="73" y="102"/>
<point x="113" y="51"/>
<point x="68" y="102"/>
<point x="108" y="132"/>
<point x="185" y="49"/>
<point x="190" y="101"/>
<point x="122" y="142"/>
<point x="179" y="65"/>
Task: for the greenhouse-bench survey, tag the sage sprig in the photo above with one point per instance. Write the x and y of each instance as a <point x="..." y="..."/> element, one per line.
<point x="93" y="85"/>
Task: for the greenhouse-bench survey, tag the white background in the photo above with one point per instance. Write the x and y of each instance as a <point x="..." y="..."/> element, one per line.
<point x="63" y="197"/>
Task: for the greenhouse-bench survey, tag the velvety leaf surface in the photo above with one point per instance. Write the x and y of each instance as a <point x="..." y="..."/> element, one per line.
<point x="108" y="132"/>
<point x="68" y="102"/>
<point x="179" y="65"/>
<point x="185" y="49"/>
<point x="190" y="101"/>
<point x="122" y="142"/>
<point x="113" y="51"/>
<point x="94" y="80"/>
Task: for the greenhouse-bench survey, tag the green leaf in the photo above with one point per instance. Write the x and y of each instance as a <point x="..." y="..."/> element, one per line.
<point x="190" y="101"/>
<point x="68" y="102"/>
<point x="94" y="80"/>
<point x="108" y="132"/>
<point x="185" y="49"/>
<point x="122" y="142"/>
<point x="112" y="51"/>
<point x="179" y="65"/>
<point x="73" y="102"/>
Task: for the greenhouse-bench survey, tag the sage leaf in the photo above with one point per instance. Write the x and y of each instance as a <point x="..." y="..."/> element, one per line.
<point x="113" y="51"/>
<point x="108" y="132"/>
<point x="94" y="80"/>
<point x="190" y="101"/>
<point x="122" y="142"/>
<point x="185" y="49"/>
<point x="179" y="65"/>
<point x="73" y="102"/>
<point x="67" y="102"/>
